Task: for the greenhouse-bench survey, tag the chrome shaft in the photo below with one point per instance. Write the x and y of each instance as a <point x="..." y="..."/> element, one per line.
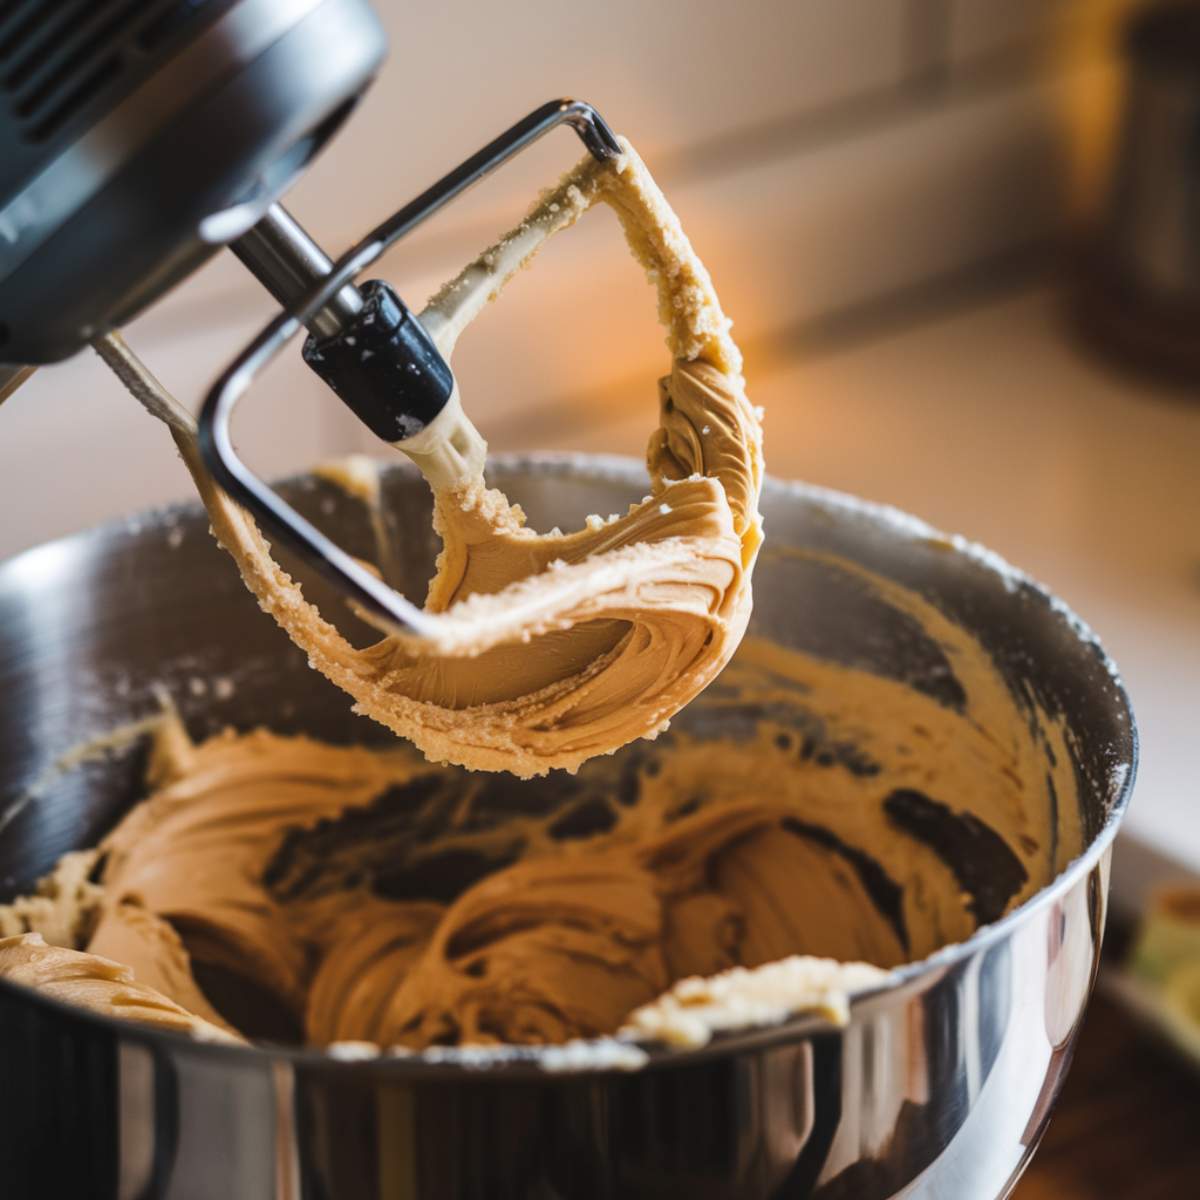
<point x="289" y="264"/>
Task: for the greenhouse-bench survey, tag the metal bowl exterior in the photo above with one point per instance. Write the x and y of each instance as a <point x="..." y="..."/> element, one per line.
<point x="940" y="1086"/>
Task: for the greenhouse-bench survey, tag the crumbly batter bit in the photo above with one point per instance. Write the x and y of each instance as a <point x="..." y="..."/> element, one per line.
<point x="809" y="821"/>
<point x="553" y="648"/>
<point x="101" y="985"/>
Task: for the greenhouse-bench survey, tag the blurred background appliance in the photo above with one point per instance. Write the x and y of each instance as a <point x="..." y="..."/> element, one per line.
<point x="1140" y="294"/>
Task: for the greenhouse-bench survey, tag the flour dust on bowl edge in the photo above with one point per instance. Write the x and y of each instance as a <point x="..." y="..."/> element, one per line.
<point x="940" y="1084"/>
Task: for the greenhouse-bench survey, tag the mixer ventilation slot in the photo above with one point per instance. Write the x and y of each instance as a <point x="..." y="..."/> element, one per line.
<point x="57" y="55"/>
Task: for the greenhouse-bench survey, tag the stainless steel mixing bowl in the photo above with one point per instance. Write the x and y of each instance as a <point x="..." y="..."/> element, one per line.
<point x="940" y="1086"/>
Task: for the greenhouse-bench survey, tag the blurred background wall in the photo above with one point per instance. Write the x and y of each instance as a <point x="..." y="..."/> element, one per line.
<point x="834" y="161"/>
<point x="886" y="192"/>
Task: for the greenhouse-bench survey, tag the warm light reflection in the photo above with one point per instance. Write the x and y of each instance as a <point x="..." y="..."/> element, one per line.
<point x="1091" y="97"/>
<point x="44" y="569"/>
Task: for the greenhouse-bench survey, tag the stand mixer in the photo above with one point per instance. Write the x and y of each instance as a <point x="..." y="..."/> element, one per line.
<point x="138" y="139"/>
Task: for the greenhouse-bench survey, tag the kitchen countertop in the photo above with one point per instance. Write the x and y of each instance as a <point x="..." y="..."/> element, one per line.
<point x="1125" y="1126"/>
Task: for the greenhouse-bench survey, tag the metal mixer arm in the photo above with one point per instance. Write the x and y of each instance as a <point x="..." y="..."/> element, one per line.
<point x="360" y="586"/>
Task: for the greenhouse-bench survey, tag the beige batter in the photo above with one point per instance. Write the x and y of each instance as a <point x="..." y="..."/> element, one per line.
<point x="819" y="829"/>
<point x="552" y="648"/>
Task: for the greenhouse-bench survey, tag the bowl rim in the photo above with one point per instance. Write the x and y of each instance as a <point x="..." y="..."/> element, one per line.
<point x="509" y="1062"/>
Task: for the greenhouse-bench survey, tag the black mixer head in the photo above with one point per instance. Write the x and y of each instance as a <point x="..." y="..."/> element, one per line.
<point x="138" y="136"/>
